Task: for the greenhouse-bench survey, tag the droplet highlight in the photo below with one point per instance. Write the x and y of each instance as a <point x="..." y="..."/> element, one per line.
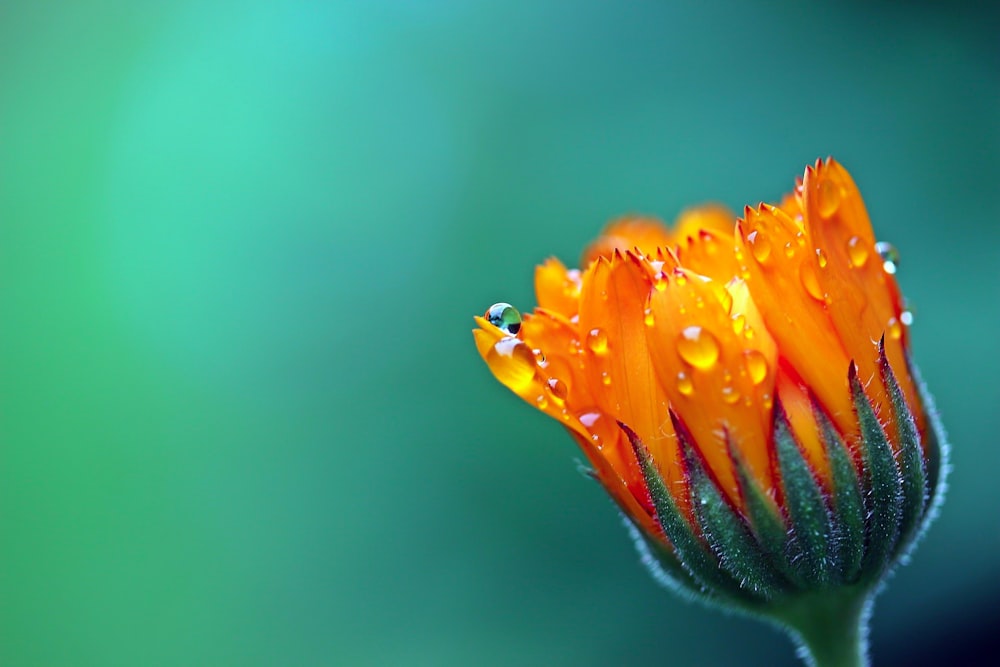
<point x="760" y="248"/>
<point x="889" y="256"/>
<point x="597" y="341"/>
<point x="756" y="366"/>
<point x="828" y="198"/>
<point x="857" y="251"/>
<point x="684" y="384"/>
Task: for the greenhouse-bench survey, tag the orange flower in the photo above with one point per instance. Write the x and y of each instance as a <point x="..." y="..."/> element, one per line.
<point x="704" y="348"/>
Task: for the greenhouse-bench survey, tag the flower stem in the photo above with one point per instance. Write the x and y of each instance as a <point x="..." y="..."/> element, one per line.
<point x="830" y="629"/>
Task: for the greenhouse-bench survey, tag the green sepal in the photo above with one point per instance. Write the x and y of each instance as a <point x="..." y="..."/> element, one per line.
<point x="725" y="530"/>
<point x="766" y="522"/>
<point x="883" y="487"/>
<point x="664" y="566"/>
<point x="699" y="562"/>
<point x="812" y="544"/>
<point x="911" y="458"/>
<point x="849" y="510"/>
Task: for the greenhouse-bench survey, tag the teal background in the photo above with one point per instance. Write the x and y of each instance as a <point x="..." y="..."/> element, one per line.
<point x="242" y="421"/>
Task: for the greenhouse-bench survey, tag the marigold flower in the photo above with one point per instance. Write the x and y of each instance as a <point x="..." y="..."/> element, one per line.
<point x="743" y="390"/>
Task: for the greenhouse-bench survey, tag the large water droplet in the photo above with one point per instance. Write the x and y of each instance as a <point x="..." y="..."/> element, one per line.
<point x="828" y="198"/>
<point x="698" y="347"/>
<point x="513" y="364"/>
<point x="889" y="255"/>
<point x="756" y="365"/>
<point x="684" y="384"/>
<point x="857" y="251"/>
<point x="504" y="317"/>
<point x="597" y="341"/>
<point x="760" y="248"/>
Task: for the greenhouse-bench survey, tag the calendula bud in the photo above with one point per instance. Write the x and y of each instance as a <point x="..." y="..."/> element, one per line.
<point x="745" y="394"/>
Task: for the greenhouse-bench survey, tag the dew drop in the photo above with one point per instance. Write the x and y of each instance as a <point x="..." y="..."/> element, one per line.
<point x="768" y="401"/>
<point x="759" y="246"/>
<point x="660" y="281"/>
<point x="684" y="384"/>
<point x="756" y="366"/>
<point x="730" y="395"/>
<point x="857" y="252"/>
<point x="542" y="402"/>
<point x="906" y="317"/>
<point x="698" y="347"/>
<point x="513" y="364"/>
<point x="647" y="317"/>
<point x="889" y="256"/>
<point x="828" y="198"/>
<point x="789" y="250"/>
<point x="894" y="328"/>
<point x="739" y="321"/>
<point x="540" y="356"/>
<point x="597" y="341"/>
<point x="504" y="317"/>
<point x="807" y="274"/>
<point x="605" y="379"/>
<point x="821" y="258"/>
<point x="558" y="388"/>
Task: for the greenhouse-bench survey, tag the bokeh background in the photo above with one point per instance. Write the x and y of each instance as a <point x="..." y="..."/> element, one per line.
<point x="241" y="244"/>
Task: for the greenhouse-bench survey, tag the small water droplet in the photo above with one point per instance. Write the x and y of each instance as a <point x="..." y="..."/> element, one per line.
<point x="739" y="321"/>
<point x="857" y="251"/>
<point x="660" y="281"/>
<point x="748" y="332"/>
<point x="768" y="401"/>
<point x="647" y="317"/>
<point x="542" y="402"/>
<point x="906" y="317"/>
<point x="759" y="246"/>
<point x="756" y="365"/>
<point x="680" y="278"/>
<point x="730" y="395"/>
<point x="684" y="384"/>
<point x="894" y="328"/>
<point x="513" y="364"/>
<point x="828" y="198"/>
<point x="540" y="356"/>
<point x="605" y="379"/>
<point x="789" y="250"/>
<point x="597" y="341"/>
<point x="800" y="237"/>
<point x="889" y="256"/>
<point x="821" y="258"/>
<point x="558" y="388"/>
<point x="698" y="347"/>
<point x="504" y="317"/>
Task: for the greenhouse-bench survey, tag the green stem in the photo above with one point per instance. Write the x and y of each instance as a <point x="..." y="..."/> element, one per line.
<point x="830" y="629"/>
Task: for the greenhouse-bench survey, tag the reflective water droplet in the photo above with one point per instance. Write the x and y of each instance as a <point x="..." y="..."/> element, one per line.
<point x="605" y="379"/>
<point x="889" y="255"/>
<point x="739" y="321"/>
<point x="698" y="347"/>
<point x="821" y="258"/>
<point x="730" y="395"/>
<point x="768" y="401"/>
<point x="828" y="198"/>
<point x="756" y="365"/>
<point x="647" y="317"/>
<point x="760" y="248"/>
<point x="894" y="328"/>
<point x="597" y="341"/>
<point x="789" y="250"/>
<point x="800" y="237"/>
<point x="540" y="356"/>
<point x="684" y="384"/>
<point x="857" y="251"/>
<point x="906" y="317"/>
<point x="807" y="275"/>
<point x="558" y="388"/>
<point x="513" y="364"/>
<point x="680" y="278"/>
<point x="542" y="402"/>
<point x="660" y="281"/>
<point x="748" y="332"/>
<point x="504" y="317"/>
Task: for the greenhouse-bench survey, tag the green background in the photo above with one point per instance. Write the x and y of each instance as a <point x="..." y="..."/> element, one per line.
<point x="242" y="421"/>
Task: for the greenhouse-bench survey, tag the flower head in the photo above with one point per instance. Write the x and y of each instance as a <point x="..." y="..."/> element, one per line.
<point x="742" y="388"/>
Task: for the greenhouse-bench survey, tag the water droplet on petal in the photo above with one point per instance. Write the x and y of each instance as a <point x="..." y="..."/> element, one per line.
<point x="739" y="321"/>
<point x="807" y="274"/>
<point x="684" y="384"/>
<point x="513" y="364"/>
<point x="906" y="317"/>
<point x="889" y="255"/>
<point x="730" y="395"/>
<point x="789" y="250"/>
<point x="759" y="246"/>
<point x="660" y="281"/>
<point x="821" y="258"/>
<point x="829" y="198"/>
<point x="605" y="379"/>
<point x="647" y="317"/>
<point x="558" y="388"/>
<point x="800" y="237"/>
<point x="597" y="341"/>
<point x="894" y="328"/>
<point x="504" y="317"/>
<point x="698" y="347"/>
<point x="542" y="402"/>
<point x="756" y="365"/>
<point x="857" y="252"/>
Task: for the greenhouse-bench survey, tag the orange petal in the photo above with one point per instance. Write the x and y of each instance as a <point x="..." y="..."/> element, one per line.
<point x="556" y="288"/>
<point x="624" y="234"/>
<point x="864" y="300"/>
<point x="717" y="379"/>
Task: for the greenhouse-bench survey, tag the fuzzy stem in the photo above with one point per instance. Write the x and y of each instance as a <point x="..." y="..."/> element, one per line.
<point x="831" y="629"/>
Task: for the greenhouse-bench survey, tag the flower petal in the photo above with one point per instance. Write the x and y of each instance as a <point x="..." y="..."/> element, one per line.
<point x="624" y="234"/>
<point x="556" y="288"/>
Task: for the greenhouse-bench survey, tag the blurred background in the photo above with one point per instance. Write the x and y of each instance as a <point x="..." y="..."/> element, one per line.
<point x="241" y="244"/>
